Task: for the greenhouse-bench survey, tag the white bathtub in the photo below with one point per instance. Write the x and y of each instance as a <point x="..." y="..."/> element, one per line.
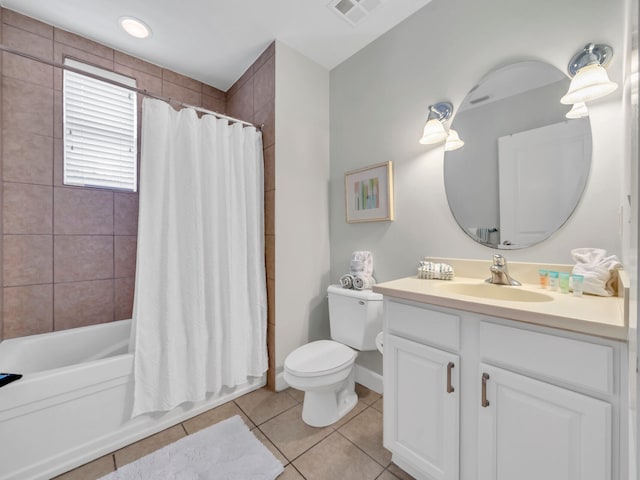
<point x="74" y="401"/>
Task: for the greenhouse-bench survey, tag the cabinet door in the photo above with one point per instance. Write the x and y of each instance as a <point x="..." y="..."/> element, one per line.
<point x="531" y="430"/>
<point x="421" y="406"/>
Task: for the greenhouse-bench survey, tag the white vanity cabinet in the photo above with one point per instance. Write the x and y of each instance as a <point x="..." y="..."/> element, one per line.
<point x="422" y="400"/>
<point x="531" y="430"/>
<point x="422" y="415"/>
<point x="474" y="397"/>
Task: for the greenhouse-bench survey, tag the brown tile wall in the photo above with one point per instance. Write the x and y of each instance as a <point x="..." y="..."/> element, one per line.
<point x="252" y="98"/>
<point x="68" y="253"/>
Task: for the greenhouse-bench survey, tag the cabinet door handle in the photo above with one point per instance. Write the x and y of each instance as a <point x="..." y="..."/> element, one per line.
<point x="485" y="402"/>
<point x="450" y="388"/>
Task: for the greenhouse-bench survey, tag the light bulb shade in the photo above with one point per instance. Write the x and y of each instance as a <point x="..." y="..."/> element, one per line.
<point x="590" y="82"/>
<point x="434" y="132"/>
<point x="453" y="141"/>
<point x="134" y="27"/>
<point x="578" y="110"/>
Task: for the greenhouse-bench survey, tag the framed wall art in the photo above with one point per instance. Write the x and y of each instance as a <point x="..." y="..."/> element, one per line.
<point x="369" y="193"/>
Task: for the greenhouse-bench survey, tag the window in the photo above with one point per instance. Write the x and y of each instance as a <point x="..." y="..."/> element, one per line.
<point x="100" y="129"/>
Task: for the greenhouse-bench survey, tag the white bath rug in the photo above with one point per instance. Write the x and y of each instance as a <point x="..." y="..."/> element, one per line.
<point x="224" y="451"/>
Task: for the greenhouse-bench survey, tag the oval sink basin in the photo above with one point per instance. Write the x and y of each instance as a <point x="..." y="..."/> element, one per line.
<point x="495" y="292"/>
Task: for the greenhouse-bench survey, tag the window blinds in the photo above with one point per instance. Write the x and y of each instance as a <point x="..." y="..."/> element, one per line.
<point x="100" y="130"/>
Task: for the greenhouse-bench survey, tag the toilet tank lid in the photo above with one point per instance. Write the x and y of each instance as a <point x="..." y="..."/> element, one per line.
<point x="368" y="295"/>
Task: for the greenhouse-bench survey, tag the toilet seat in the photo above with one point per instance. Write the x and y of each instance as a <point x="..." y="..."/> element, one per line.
<point x="319" y="358"/>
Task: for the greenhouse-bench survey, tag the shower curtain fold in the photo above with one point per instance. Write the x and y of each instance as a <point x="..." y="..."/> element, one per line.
<point x="200" y="294"/>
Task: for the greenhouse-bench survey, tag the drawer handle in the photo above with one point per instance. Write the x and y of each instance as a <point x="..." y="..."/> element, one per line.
<point x="450" y="388"/>
<point x="485" y="402"/>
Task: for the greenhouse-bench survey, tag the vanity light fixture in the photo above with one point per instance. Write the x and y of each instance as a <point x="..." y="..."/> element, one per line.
<point x="134" y="27"/>
<point x="590" y="79"/>
<point x="434" y="131"/>
<point x="453" y="141"/>
<point x="578" y="110"/>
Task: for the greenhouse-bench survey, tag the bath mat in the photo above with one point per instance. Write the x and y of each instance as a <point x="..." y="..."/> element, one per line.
<point x="224" y="451"/>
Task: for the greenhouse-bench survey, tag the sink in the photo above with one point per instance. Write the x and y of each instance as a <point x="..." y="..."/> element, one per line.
<point x="495" y="292"/>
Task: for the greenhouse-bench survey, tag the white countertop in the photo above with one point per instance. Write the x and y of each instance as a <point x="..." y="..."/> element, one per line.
<point x="589" y="314"/>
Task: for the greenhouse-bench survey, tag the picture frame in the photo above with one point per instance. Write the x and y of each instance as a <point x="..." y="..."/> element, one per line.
<point x="369" y="194"/>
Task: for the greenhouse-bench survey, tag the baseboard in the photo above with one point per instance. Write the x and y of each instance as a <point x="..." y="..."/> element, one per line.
<point x="368" y="378"/>
<point x="281" y="384"/>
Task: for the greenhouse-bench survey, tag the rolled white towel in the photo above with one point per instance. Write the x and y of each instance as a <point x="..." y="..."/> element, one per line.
<point x="346" y="281"/>
<point x="362" y="282"/>
<point x="361" y="263"/>
<point x="600" y="271"/>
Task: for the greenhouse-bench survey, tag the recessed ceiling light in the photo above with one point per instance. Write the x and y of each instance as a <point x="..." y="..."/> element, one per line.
<point x="134" y="27"/>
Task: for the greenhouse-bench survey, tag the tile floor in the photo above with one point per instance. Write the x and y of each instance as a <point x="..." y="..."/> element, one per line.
<point x="353" y="445"/>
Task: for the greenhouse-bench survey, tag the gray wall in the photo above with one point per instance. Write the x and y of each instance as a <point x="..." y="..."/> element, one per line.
<point x="379" y="99"/>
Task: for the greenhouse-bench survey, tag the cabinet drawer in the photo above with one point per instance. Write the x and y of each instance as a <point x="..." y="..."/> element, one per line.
<point x="423" y="325"/>
<point x="571" y="362"/>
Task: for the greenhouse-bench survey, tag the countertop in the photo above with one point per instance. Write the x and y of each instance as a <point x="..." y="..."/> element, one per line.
<point x="594" y="315"/>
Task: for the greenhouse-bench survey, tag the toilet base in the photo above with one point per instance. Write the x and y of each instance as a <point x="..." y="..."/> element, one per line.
<point x="326" y="407"/>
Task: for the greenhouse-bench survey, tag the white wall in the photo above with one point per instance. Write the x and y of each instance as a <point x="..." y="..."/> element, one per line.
<point x="379" y="100"/>
<point x="302" y="201"/>
<point x="632" y="222"/>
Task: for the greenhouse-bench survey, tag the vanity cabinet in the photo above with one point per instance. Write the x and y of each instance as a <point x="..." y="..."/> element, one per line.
<point x="423" y="413"/>
<point x="474" y="397"/>
<point x="532" y="430"/>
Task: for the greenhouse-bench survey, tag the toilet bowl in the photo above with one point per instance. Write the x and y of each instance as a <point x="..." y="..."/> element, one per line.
<point x="324" y="369"/>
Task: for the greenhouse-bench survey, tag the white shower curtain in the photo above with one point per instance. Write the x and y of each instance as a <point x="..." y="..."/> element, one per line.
<point x="199" y="312"/>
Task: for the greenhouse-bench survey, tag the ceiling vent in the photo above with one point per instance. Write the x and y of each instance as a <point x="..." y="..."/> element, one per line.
<point x="354" y="11"/>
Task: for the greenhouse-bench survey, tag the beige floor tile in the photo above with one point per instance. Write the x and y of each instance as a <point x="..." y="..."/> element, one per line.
<point x="291" y="435"/>
<point x="365" y="395"/>
<point x="398" y="472"/>
<point x="365" y="430"/>
<point x="290" y="473"/>
<point x="272" y="448"/>
<point x="360" y="406"/>
<point x="262" y="405"/>
<point x="386" y="475"/>
<point x="298" y="395"/>
<point x="90" y="471"/>
<point x="215" y="415"/>
<point x="379" y="404"/>
<point x="148" y="445"/>
<point x="336" y="457"/>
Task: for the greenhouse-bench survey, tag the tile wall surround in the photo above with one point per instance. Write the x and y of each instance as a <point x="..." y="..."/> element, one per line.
<point x="68" y="253"/>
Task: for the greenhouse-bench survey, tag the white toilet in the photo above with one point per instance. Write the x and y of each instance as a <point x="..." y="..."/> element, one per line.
<point x="324" y="369"/>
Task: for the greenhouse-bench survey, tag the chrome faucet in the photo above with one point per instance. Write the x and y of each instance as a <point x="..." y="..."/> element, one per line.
<point x="500" y="272"/>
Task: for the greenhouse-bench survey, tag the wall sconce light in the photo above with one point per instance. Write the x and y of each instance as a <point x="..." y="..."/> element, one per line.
<point x="434" y="131"/>
<point x="578" y="110"/>
<point x="590" y="79"/>
<point x="453" y="141"/>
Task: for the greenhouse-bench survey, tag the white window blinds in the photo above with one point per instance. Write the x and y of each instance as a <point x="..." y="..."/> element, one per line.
<point x="100" y="130"/>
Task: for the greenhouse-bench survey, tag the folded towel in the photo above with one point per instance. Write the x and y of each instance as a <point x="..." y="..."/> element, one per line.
<point x="600" y="270"/>
<point x="362" y="282"/>
<point x="361" y="263"/>
<point x="346" y="280"/>
<point x="435" y="271"/>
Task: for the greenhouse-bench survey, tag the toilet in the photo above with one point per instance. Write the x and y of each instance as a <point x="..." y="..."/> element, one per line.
<point x="323" y="370"/>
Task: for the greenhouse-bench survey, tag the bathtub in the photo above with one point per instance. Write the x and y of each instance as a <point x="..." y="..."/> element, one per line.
<point x="73" y="403"/>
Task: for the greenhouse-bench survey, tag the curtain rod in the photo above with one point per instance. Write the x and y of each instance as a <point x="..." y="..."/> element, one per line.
<point x="141" y="91"/>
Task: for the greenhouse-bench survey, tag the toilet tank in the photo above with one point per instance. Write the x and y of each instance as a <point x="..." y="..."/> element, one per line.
<point x="355" y="316"/>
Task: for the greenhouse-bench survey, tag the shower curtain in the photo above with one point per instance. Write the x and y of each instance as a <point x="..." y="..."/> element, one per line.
<point x="199" y="314"/>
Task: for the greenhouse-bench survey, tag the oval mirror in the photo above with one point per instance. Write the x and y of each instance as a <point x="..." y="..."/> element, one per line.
<point x="524" y="165"/>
